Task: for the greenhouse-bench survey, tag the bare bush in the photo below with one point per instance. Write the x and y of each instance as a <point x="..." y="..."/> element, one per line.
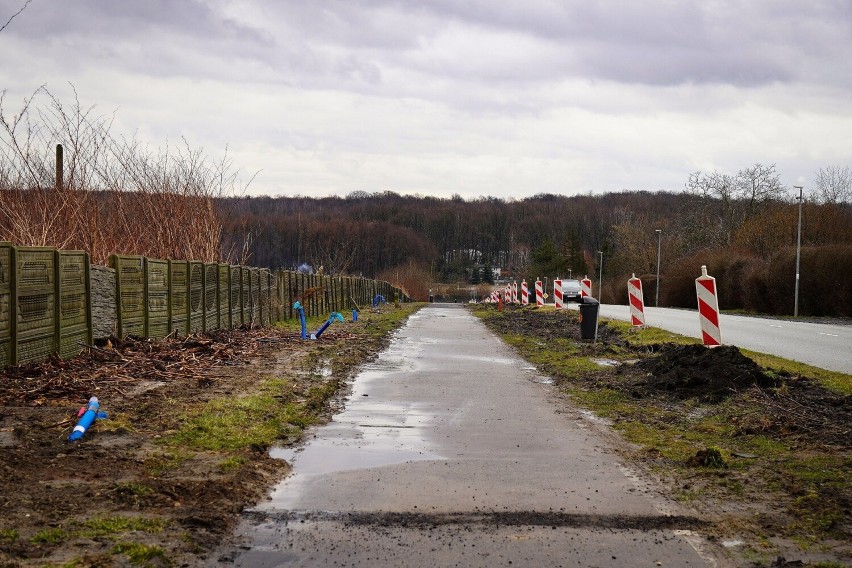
<point x="411" y="277"/>
<point x="114" y="194"/>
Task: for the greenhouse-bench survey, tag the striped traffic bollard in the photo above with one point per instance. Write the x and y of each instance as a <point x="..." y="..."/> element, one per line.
<point x="507" y="297"/>
<point x="708" y="309"/>
<point x="539" y="293"/>
<point x="637" y="302"/>
<point x="514" y="292"/>
<point x="525" y="293"/>
<point x="557" y="293"/>
<point x="585" y="287"/>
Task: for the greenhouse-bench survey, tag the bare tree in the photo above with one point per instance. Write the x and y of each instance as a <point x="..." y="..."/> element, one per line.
<point x="834" y="184"/>
<point x="16" y="14"/>
<point x="730" y="201"/>
<point x="116" y="195"/>
<point x="757" y="185"/>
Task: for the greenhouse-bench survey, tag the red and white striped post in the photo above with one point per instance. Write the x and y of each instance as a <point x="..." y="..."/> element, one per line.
<point x="637" y="301"/>
<point x="708" y="309"/>
<point x="514" y="291"/>
<point x="494" y="296"/>
<point x="585" y="287"/>
<point x="539" y="293"/>
<point x="525" y="293"/>
<point x="507" y="294"/>
<point x="557" y="293"/>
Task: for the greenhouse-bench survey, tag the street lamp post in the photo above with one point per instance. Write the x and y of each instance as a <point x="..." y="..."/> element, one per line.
<point x="600" y="277"/>
<point x="798" y="253"/>
<point x="657" y="294"/>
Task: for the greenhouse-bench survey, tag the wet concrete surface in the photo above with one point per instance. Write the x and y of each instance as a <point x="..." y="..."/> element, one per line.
<point x="451" y="453"/>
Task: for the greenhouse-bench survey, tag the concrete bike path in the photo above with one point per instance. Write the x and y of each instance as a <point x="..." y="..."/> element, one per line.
<point x="451" y="453"/>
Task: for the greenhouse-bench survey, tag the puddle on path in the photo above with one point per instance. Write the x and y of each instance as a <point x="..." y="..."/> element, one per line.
<point x="375" y="429"/>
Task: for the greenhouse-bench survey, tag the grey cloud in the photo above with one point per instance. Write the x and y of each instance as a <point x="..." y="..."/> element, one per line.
<point x="365" y="46"/>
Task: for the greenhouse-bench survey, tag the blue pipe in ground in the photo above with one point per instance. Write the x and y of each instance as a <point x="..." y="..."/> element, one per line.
<point x="298" y="307"/>
<point x="87" y="419"/>
<point x="331" y="318"/>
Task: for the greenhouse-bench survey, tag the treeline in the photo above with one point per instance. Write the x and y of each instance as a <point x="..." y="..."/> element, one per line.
<point x="414" y="240"/>
<point x="113" y="194"/>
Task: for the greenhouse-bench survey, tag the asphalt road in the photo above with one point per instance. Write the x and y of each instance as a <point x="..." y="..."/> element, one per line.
<point x="452" y="451"/>
<point x="822" y="345"/>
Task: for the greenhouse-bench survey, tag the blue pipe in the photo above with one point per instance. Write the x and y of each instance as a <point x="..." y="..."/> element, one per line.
<point x="379" y="299"/>
<point x="354" y="314"/>
<point x="298" y="307"/>
<point x="331" y="318"/>
<point x="89" y="416"/>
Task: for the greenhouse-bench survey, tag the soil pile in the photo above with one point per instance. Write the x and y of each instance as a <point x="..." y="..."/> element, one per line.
<point x="710" y="375"/>
<point x="550" y="324"/>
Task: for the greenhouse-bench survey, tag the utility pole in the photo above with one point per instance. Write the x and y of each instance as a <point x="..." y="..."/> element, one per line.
<point x="600" y="277"/>
<point x="657" y="294"/>
<point x="798" y="253"/>
<point x="60" y="173"/>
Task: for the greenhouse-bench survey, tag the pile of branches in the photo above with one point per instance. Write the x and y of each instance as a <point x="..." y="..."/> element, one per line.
<point x="120" y="364"/>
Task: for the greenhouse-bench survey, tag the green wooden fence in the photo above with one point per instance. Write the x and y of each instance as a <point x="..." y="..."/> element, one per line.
<point x="46" y="299"/>
<point x="45" y="303"/>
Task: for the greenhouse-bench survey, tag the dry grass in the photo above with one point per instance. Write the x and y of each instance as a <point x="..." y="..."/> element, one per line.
<point x="114" y="194"/>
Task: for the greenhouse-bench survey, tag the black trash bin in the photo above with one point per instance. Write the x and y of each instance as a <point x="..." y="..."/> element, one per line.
<point x="589" y="308"/>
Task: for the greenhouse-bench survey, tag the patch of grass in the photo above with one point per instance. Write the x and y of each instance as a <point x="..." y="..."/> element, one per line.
<point x="49" y="536"/>
<point x="117" y="422"/>
<point x="232" y="463"/>
<point x="274" y="412"/>
<point x="662" y="440"/>
<point x="557" y="356"/>
<point x="237" y="422"/>
<point x="832" y="380"/>
<point x="111" y="526"/>
<point x="819" y="470"/>
<point x="134" y="488"/>
<point x="648" y="335"/>
<point x="139" y="554"/>
<point x="158" y="465"/>
<point x="8" y="536"/>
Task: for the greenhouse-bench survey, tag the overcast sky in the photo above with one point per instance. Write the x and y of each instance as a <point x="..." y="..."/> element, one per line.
<point x="475" y="97"/>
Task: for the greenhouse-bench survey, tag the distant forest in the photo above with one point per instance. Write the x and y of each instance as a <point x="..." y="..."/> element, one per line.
<point x="66" y="181"/>
<point x="747" y="242"/>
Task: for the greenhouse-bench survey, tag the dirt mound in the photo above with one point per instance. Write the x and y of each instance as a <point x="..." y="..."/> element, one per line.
<point x="549" y="324"/>
<point x="708" y="374"/>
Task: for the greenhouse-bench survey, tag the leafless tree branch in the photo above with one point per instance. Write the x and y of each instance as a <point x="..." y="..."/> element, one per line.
<point x="9" y="21"/>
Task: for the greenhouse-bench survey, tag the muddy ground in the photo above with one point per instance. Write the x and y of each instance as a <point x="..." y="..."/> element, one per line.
<point x="765" y="455"/>
<point x="127" y="494"/>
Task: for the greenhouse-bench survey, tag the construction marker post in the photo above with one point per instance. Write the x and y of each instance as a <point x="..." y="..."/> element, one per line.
<point x="637" y="301"/>
<point x="539" y="293"/>
<point x="514" y="292"/>
<point x="585" y="287"/>
<point x="525" y="293"/>
<point x="557" y="294"/>
<point x="708" y="309"/>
